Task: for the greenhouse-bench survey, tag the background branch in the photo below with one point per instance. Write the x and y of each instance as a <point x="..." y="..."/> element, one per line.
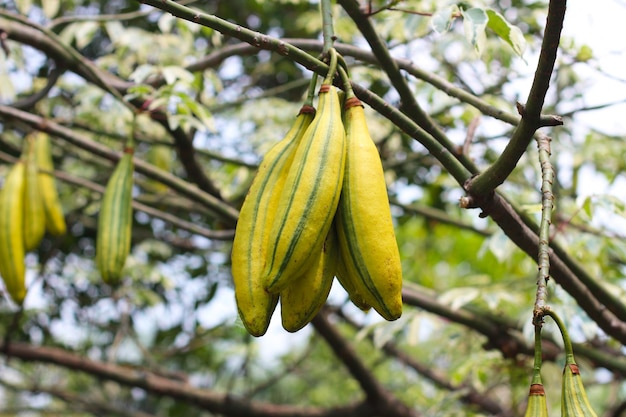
<point x="484" y="184"/>
<point x="380" y="399"/>
<point x="157" y="385"/>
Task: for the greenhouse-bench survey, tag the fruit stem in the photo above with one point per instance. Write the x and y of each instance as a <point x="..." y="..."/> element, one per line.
<point x="327" y="25"/>
<point x="310" y="96"/>
<point x="547" y="205"/>
<point x="347" y="85"/>
<point x="332" y="67"/>
<point x="536" y="378"/>
<point x="567" y="343"/>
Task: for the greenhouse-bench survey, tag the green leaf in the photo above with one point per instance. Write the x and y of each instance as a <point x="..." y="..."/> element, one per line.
<point x="8" y="90"/>
<point x="460" y="296"/>
<point x="172" y="73"/>
<point x="50" y="8"/>
<point x="585" y="53"/>
<point x="509" y="33"/>
<point x="85" y="32"/>
<point x="201" y="112"/>
<point x="114" y="30"/>
<point x="142" y="72"/>
<point x="81" y="32"/>
<point x="587" y="207"/>
<point x="166" y="22"/>
<point x="474" y="23"/>
<point x="442" y="19"/>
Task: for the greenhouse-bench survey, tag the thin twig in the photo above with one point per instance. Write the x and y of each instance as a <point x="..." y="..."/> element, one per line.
<point x="547" y="205"/>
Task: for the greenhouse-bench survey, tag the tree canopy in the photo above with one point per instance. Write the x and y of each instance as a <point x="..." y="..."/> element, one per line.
<point x="498" y="127"/>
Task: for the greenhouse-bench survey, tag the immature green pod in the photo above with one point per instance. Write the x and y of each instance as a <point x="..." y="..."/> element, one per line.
<point x="249" y="252"/>
<point x="12" y="266"/>
<point x="574" y="401"/>
<point x="34" y="211"/>
<point x="310" y="196"/>
<point x="537" y="404"/>
<point x="55" y="220"/>
<point x="303" y="298"/>
<point x="368" y="248"/>
<point x="115" y="221"/>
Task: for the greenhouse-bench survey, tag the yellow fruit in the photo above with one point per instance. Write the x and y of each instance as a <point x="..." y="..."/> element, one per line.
<point x="368" y="247"/>
<point x="55" y="221"/>
<point x="12" y="266"/>
<point x="34" y="212"/>
<point x="249" y="251"/>
<point x="310" y="196"/>
<point x="303" y="298"/>
<point x="349" y="284"/>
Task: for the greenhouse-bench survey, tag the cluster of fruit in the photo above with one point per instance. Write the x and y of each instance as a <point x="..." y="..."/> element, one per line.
<point x="317" y="209"/>
<point x="29" y="206"/>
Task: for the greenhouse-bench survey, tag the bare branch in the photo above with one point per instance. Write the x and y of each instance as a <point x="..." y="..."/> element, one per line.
<point x="223" y="210"/>
<point x="485" y="183"/>
<point x="380" y="399"/>
<point x="221" y="403"/>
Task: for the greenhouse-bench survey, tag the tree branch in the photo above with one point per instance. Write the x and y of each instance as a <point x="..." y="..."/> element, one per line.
<point x="526" y="239"/>
<point x="506" y="335"/>
<point x="507" y="218"/>
<point x="468" y="394"/>
<point x="29" y="102"/>
<point x="380" y="399"/>
<point x="82" y="402"/>
<point x="510" y="221"/>
<point x="509" y="341"/>
<point x="224" y="211"/>
<point x="41" y="38"/>
<point x="151" y="211"/>
<point x="483" y="185"/>
<point x="409" y="104"/>
<point x="209" y="400"/>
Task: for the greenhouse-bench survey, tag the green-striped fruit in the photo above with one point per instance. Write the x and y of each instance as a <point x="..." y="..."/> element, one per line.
<point x="537" y="404"/>
<point x="303" y="298"/>
<point x="12" y="266"/>
<point x="348" y="282"/>
<point x="115" y="221"/>
<point x="310" y="196"/>
<point x="55" y="221"/>
<point x="574" y="401"/>
<point x="34" y="211"/>
<point x="367" y="241"/>
<point x="249" y="251"/>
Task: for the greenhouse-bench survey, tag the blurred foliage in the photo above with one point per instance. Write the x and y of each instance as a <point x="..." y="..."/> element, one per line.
<point x="175" y="313"/>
